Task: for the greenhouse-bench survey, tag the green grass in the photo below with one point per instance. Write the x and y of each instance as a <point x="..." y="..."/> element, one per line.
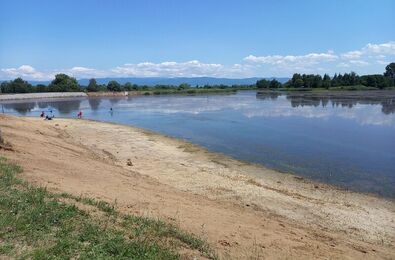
<point x="37" y="224"/>
<point x="190" y="91"/>
<point x="340" y="88"/>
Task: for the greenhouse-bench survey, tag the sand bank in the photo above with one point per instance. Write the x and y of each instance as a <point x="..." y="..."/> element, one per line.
<point x="243" y="210"/>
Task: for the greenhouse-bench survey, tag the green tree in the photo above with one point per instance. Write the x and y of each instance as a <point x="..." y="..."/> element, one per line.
<point x="92" y="86"/>
<point x="184" y="86"/>
<point x="114" y="86"/>
<point x="390" y="70"/>
<point x="296" y="81"/>
<point x="63" y="83"/>
<point x="263" y="83"/>
<point x="41" y="88"/>
<point x="128" y="86"/>
<point x="3" y="86"/>
<point x="354" y="79"/>
<point x="326" y="81"/>
<point x="377" y="81"/>
<point x="17" y="85"/>
<point x="275" y="84"/>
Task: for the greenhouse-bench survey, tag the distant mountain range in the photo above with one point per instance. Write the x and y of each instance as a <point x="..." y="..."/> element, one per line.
<point x="152" y="81"/>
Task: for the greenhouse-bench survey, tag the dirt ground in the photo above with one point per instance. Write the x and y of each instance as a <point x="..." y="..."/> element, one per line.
<point x="243" y="210"/>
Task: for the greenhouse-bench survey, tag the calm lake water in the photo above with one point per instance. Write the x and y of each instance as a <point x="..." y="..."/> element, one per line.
<point x="346" y="140"/>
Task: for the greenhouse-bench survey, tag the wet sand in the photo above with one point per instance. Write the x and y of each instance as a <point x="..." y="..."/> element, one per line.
<point x="243" y="210"/>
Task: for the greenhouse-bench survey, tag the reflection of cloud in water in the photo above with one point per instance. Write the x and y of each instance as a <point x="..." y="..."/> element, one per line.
<point x="363" y="114"/>
<point x="186" y="104"/>
<point x="274" y="106"/>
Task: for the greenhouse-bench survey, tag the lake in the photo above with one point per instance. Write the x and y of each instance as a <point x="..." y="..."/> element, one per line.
<point x="345" y="139"/>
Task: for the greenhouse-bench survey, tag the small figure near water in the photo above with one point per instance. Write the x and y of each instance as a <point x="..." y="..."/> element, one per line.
<point x="111" y="111"/>
<point x="42" y="114"/>
<point x="79" y="115"/>
<point x="47" y="117"/>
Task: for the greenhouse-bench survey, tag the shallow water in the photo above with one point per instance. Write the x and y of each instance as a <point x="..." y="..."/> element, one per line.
<point x="346" y="140"/>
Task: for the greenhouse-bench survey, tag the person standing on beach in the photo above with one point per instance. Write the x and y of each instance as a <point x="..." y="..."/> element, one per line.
<point x="79" y="115"/>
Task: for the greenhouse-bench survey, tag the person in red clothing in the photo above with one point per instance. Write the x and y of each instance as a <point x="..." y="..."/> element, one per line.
<point x="79" y="115"/>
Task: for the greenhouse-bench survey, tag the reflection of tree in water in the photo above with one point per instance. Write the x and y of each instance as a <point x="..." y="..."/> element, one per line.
<point x="115" y="100"/>
<point x="302" y="101"/>
<point x="341" y="99"/>
<point x="63" y="106"/>
<point x="388" y="106"/>
<point x="343" y="102"/>
<point x="21" y="108"/>
<point x="94" y="103"/>
<point x="264" y="95"/>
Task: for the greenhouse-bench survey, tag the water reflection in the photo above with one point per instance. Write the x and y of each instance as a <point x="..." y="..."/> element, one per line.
<point x="64" y="106"/>
<point x="22" y="108"/>
<point x="116" y="100"/>
<point x="268" y="95"/>
<point x="94" y="103"/>
<point x="348" y="100"/>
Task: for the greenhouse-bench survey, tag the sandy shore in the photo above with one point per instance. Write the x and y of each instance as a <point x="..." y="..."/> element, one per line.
<point x="243" y="210"/>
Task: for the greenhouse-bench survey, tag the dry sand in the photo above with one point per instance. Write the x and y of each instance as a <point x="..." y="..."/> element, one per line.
<point x="243" y="210"/>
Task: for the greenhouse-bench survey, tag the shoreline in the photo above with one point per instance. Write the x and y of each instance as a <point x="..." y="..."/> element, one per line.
<point x="183" y="182"/>
<point x="244" y="162"/>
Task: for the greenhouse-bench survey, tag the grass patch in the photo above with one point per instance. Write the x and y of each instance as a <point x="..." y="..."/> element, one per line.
<point x="191" y="91"/>
<point x="37" y="224"/>
<point x="340" y="88"/>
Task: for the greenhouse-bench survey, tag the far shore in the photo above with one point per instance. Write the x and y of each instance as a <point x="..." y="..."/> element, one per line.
<point x="240" y="208"/>
<point x="46" y="95"/>
<point x="348" y="90"/>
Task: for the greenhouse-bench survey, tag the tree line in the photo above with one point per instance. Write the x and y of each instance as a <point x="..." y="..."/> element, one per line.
<point x="308" y="81"/>
<point x="65" y="83"/>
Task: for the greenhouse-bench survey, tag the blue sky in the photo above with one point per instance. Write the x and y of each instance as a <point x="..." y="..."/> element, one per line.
<point x="93" y="38"/>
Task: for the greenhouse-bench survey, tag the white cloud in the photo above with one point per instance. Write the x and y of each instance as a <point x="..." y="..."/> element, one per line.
<point x="192" y="68"/>
<point x="383" y="62"/>
<point x="379" y="51"/>
<point x="343" y="65"/>
<point x="367" y="57"/>
<point x="371" y="53"/>
<point x="25" y="71"/>
<point x="351" y="55"/>
<point x="308" y="59"/>
<point x="81" y="70"/>
<point x="384" y="48"/>
<point x="280" y="65"/>
<point x="359" y="62"/>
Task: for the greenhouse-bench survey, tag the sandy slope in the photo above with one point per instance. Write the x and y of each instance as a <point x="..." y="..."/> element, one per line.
<point x="272" y="215"/>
